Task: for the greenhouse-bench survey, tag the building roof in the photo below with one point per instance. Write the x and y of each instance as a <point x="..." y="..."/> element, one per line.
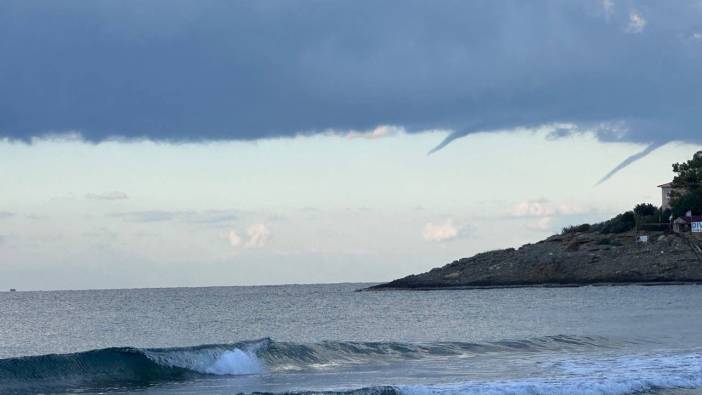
<point x="670" y="185"/>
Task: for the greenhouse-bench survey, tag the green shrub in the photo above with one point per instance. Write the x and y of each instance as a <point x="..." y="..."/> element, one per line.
<point x="690" y="201"/>
<point x="645" y="210"/>
<point x="576" y="229"/>
<point x="688" y="186"/>
<point x="621" y="223"/>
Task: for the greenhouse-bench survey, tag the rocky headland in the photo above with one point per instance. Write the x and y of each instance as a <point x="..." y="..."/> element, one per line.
<point x="571" y="259"/>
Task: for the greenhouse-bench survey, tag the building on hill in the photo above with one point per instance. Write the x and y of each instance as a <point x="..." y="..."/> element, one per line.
<point x="666" y="195"/>
<point x="667" y="191"/>
<point x="687" y="223"/>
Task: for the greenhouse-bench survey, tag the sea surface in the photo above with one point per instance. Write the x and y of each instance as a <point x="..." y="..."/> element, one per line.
<point x="331" y="339"/>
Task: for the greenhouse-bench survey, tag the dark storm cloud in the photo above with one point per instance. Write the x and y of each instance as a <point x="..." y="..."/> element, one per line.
<point x="211" y="70"/>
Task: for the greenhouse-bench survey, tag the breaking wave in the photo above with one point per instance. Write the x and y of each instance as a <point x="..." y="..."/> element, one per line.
<point x="127" y="367"/>
<point x="119" y="368"/>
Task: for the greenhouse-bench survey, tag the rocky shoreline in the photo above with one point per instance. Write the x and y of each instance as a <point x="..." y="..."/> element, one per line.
<point x="570" y="260"/>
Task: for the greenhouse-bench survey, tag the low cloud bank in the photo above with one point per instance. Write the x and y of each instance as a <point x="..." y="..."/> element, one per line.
<point x="205" y="72"/>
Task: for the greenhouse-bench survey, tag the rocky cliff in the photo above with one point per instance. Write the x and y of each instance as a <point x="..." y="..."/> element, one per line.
<point x="577" y="258"/>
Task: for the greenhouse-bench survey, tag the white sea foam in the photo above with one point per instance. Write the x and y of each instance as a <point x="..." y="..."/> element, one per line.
<point x="615" y="376"/>
<point x="235" y="362"/>
<point x="547" y="387"/>
<point x="215" y="361"/>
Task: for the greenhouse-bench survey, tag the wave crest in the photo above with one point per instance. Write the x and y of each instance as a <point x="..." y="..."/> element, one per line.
<point x="127" y="367"/>
<point x="133" y="367"/>
<point x="223" y="359"/>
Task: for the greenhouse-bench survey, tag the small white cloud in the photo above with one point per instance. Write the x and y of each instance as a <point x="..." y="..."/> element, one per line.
<point x="532" y="208"/>
<point x="258" y="235"/>
<point x="114" y="195"/>
<point x="234" y="238"/>
<point x="637" y="23"/>
<point x="545" y="208"/>
<point x="440" y="232"/>
<point x="543" y="215"/>
<point x="378" y="132"/>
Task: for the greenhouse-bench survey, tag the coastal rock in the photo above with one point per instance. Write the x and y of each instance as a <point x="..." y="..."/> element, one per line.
<point x="578" y="258"/>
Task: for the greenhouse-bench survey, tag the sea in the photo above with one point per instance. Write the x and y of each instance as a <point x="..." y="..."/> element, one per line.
<point x="331" y="339"/>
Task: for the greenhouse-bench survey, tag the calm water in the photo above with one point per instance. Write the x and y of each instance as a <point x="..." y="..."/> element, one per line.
<point x="328" y="338"/>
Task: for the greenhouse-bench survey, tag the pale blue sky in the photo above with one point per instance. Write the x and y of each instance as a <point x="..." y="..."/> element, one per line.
<point x="328" y="208"/>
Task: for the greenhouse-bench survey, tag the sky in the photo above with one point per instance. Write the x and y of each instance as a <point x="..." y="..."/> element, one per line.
<point x="179" y="143"/>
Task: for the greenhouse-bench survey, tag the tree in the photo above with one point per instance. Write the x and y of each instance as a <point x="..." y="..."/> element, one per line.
<point x="687" y="192"/>
<point x="623" y="222"/>
<point x="690" y="201"/>
<point x="688" y="174"/>
<point x="645" y="210"/>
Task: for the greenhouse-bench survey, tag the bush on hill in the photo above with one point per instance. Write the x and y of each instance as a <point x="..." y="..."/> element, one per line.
<point x="623" y="222"/>
<point x="576" y="229"/>
<point x="687" y="194"/>
<point x="645" y="210"/>
<point x="691" y="201"/>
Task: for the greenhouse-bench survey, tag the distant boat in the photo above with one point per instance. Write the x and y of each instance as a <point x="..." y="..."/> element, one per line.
<point x="13" y="290"/>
